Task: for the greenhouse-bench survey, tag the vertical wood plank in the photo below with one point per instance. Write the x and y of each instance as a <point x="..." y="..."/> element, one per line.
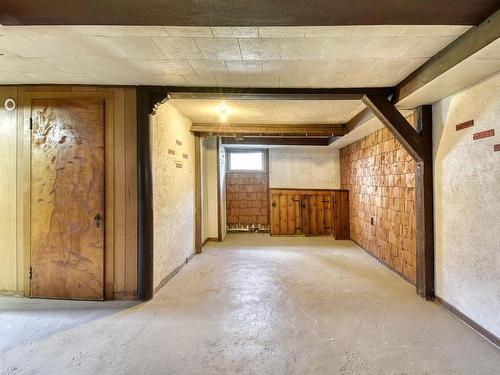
<point x="119" y="192"/>
<point x="131" y="193"/>
<point x="305" y="214"/>
<point x="290" y="214"/>
<point x="344" y="207"/>
<point x="275" y="214"/>
<point x="297" y="214"/>
<point x="320" y="214"/>
<point x="328" y="213"/>
<point x="283" y="214"/>
<point x="313" y="215"/>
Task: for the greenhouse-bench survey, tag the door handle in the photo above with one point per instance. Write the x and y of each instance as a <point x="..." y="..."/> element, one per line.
<point x="97" y="220"/>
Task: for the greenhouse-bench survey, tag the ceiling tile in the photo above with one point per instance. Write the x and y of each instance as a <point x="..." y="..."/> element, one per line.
<point x="188" y="31"/>
<point x="235" y="32"/>
<point x="280" y="67"/>
<point x="423" y="30"/>
<point x="136" y="47"/>
<point x="283" y="32"/>
<point x="332" y="80"/>
<point x="456" y="30"/>
<point x="170" y="80"/>
<point x="265" y="81"/>
<point x="329" y="31"/>
<point x="21" y="46"/>
<point x="160" y="66"/>
<point x="178" y="48"/>
<point x="120" y="30"/>
<point x="219" y="48"/>
<point x="98" y="46"/>
<point x="376" y="31"/>
<point x="196" y="80"/>
<point x="387" y="47"/>
<point x="293" y="81"/>
<point x="230" y="80"/>
<point x="426" y="46"/>
<point x="316" y="67"/>
<point x="339" y="48"/>
<point x="302" y="48"/>
<point x="202" y="67"/>
<point x="260" y="48"/>
<point x="251" y="67"/>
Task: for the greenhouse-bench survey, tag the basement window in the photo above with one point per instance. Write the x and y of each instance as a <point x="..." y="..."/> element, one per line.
<point x="246" y="160"/>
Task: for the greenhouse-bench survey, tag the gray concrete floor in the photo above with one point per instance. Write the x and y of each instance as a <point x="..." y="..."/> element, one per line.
<point x="251" y="305"/>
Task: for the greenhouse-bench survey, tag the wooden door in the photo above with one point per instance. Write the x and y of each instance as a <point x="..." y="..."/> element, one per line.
<point x="67" y="199"/>
<point x="341" y="228"/>
<point x="316" y="214"/>
<point x="285" y="214"/>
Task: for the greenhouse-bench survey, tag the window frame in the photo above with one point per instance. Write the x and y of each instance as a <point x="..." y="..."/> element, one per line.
<point x="230" y="151"/>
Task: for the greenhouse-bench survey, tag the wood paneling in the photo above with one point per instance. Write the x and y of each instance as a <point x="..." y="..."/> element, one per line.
<point x="120" y="275"/>
<point x="380" y="177"/>
<point x="341" y="215"/>
<point x="67" y="198"/>
<point x="308" y="212"/>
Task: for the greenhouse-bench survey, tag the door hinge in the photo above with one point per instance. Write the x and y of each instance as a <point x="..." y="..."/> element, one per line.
<point x="31" y="273"/>
<point x="31" y="123"/>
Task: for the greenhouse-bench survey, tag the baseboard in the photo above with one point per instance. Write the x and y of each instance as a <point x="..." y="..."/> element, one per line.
<point x="495" y="340"/>
<point x="11" y="293"/>
<point x="386" y="264"/>
<point x="124" y="296"/>
<point x="167" y="278"/>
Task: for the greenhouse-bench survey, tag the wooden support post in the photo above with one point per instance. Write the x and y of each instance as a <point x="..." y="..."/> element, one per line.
<point x="424" y="205"/>
<point x="418" y="143"/>
<point x="198" y="242"/>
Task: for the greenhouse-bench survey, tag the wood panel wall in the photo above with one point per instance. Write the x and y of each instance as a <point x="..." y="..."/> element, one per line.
<point x="246" y="198"/>
<point x="121" y="257"/>
<point x="380" y="177"/>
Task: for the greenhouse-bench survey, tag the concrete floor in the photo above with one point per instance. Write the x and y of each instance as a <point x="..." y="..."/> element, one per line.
<point x="251" y="305"/>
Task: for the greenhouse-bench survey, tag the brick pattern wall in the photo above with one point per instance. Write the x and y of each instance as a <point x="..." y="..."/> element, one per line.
<point x="380" y="177"/>
<point x="247" y="200"/>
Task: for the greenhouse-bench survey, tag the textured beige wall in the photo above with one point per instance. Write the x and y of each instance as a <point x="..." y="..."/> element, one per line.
<point x="304" y="167"/>
<point x="8" y="142"/>
<point x="467" y="203"/>
<point x="211" y="187"/>
<point x="173" y="190"/>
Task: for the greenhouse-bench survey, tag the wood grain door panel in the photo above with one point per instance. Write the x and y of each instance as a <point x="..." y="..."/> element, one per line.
<point x="67" y="192"/>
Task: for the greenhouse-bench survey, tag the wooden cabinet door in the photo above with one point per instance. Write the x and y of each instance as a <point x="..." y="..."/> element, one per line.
<point x="341" y="228"/>
<point x="285" y="214"/>
<point x="316" y="214"/>
<point x="67" y="199"/>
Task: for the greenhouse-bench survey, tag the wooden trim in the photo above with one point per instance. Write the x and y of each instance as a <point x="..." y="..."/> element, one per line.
<point x="308" y="189"/>
<point x="210" y="239"/>
<point x="219" y="194"/>
<point x="198" y="214"/>
<point x="495" y="340"/>
<point x="109" y="171"/>
<point x="244" y="13"/>
<point x="272" y="141"/>
<point x="460" y="49"/>
<point x="265" y="164"/>
<point x="360" y="119"/>
<point x="167" y="278"/>
<point x="387" y="265"/>
<point x="313" y="130"/>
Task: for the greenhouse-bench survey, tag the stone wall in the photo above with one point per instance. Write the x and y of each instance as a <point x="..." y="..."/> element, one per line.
<point x="380" y="177"/>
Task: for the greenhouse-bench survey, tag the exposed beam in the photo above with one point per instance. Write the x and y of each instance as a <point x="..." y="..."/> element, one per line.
<point x="277" y="141"/>
<point x="463" y="47"/>
<point x="325" y="130"/>
<point x="358" y="120"/>
<point x="245" y="13"/>
<point x="178" y="92"/>
<point x="397" y="124"/>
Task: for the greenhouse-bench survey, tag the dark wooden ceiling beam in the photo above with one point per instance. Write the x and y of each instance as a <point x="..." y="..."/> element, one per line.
<point x="360" y="119"/>
<point x="235" y="93"/>
<point x="245" y="13"/>
<point x="325" y="130"/>
<point x="277" y="141"/>
<point x="460" y="49"/>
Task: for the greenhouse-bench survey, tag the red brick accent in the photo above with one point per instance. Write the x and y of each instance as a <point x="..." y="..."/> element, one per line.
<point x="496" y="147"/>
<point x="464" y="125"/>
<point x="246" y="197"/>
<point x="483" y="134"/>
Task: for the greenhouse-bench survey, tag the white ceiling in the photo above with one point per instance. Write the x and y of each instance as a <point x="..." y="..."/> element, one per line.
<point x="339" y="56"/>
<point x="269" y="111"/>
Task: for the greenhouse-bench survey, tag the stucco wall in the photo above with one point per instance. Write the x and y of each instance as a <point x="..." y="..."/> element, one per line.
<point x="467" y="203"/>
<point x="304" y="167"/>
<point x="173" y="190"/>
